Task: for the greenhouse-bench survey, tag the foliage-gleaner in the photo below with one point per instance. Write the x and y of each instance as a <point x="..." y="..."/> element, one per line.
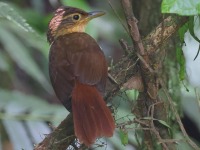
<point x="78" y="72"/>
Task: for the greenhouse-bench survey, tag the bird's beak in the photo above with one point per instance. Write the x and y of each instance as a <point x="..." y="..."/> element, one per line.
<point x="95" y="14"/>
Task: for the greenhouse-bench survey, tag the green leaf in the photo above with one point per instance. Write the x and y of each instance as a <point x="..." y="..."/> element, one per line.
<point x="147" y="118"/>
<point x="181" y="60"/>
<point x="179" y="53"/>
<point x="181" y="7"/>
<point x="163" y="123"/>
<point x="182" y="31"/>
<point x="132" y="94"/>
<point x="191" y="30"/>
<point x="20" y="55"/>
<point x="160" y="121"/>
<point x="7" y="12"/>
<point x="124" y="137"/>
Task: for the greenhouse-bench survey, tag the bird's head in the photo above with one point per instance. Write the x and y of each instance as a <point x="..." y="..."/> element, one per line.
<point x="68" y="20"/>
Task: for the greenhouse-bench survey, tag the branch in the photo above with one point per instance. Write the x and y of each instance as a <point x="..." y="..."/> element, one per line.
<point x="60" y="138"/>
<point x="151" y="43"/>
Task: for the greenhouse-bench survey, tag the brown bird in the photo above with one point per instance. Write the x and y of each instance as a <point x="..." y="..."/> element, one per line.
<point x="78" y="72"/>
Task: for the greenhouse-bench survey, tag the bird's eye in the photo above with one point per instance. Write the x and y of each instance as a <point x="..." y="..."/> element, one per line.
<point x="76" y="17"/>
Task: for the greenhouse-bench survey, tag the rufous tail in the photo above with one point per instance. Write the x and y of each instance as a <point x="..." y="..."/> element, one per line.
<point x="92" y="118"/>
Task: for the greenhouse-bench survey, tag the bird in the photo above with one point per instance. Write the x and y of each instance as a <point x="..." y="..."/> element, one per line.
<point x="78" y="73"/>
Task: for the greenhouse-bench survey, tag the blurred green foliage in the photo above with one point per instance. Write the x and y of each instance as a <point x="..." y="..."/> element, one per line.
<point x="24" y="82"/>
<point x="181" y="7"/>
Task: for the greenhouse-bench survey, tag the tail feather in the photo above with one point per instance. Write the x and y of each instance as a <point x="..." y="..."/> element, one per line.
<point x="92" y="118"/>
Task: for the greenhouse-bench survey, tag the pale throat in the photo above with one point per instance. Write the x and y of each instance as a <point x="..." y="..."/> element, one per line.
<point x="76" y="28"/>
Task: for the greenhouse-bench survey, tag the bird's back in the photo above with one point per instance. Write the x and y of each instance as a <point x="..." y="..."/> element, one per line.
<point x="76" y="56"/>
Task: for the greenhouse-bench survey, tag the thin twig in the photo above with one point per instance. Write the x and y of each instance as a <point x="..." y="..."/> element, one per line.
<point x="145" y="63"/>
<point x="111" y="78"/>
<point x="133" y="28"/>
<point x="124" y="46"/>
<point x="118" y="17"/>
<point x="154" y="129"/>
